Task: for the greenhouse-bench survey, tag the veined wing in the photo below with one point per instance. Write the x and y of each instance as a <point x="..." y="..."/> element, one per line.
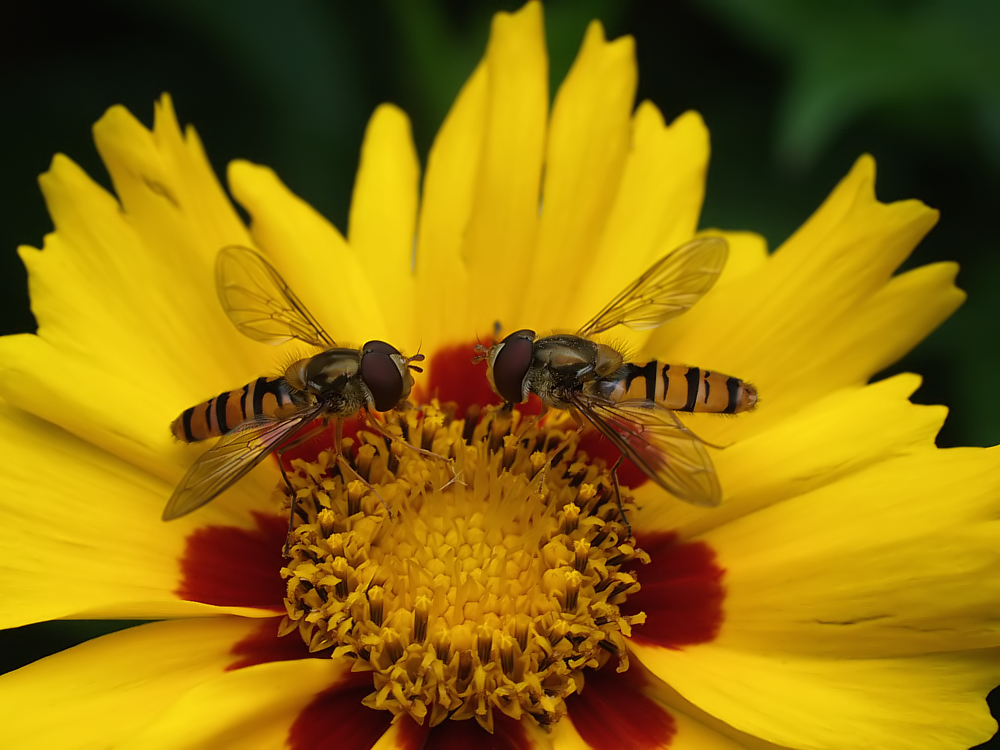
<point x="260" y="303"/>
<point x="656" y="441"/>
<point x="670" y="287"/>
<point x="232" y="457"/>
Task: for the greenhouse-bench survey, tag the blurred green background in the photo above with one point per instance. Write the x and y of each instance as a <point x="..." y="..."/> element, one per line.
<point x="792" y="92"/>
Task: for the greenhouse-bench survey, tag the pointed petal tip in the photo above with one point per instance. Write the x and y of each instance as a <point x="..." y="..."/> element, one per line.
<point x="115" y="118"/>
<point x="863" y="175"/>
<point x="527" y="20"/>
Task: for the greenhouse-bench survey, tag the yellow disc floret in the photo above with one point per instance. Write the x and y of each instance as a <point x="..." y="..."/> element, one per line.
<point x="493" y="583"/>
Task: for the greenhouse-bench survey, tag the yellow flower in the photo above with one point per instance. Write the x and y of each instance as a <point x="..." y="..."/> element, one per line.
<point x="843" y="595"/>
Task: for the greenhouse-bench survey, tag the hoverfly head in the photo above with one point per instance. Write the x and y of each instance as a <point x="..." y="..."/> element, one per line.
<point x="508" y="363"/>
<point x="384" y="372"/>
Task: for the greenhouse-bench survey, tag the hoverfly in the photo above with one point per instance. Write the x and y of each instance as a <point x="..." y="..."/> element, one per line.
<point x="255" y="420"/>
<point x="632" y="403"/>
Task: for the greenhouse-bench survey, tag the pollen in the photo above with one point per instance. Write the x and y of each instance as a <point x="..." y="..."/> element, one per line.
<point x="483" y="572"/>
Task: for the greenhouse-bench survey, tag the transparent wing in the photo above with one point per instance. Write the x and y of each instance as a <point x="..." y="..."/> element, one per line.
<point x="656" y="441"/>
<point x="260" y="303"/>
<point x="232" y="457"/>
<point x="670" y="287"/>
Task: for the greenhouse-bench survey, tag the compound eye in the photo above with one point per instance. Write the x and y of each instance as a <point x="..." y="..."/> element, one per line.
<point x="381" y="374"/>
<point x="511" y="363"/>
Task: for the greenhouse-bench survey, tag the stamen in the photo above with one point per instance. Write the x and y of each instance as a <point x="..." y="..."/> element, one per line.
<point x="492" y="581"/>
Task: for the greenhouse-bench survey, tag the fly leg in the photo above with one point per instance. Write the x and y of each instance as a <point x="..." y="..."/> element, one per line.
<point x="618" y="494"/>
<point x="299" y="440"/>
<point x="343" y="462"/>
<point x="381" y="429"/>
<point x="531" y="422"/>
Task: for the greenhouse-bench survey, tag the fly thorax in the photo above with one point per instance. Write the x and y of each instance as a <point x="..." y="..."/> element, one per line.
<point x="568" y="360"/>
<point x="347" y="398"/>
<point x="609" y="361"/>
<point x="332" y="370"/>
<point x="296" y="374"/>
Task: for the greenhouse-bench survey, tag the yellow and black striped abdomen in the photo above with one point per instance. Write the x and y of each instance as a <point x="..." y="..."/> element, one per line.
<point x="265" y="396"/>
<point x="687" y="388"/>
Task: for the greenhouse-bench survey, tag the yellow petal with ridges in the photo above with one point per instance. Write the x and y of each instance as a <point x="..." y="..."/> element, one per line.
<point x="807" y="295"/>
<point x="656" y="207"/>
<point x="638" y="710"/>
<point x="89" y="356"/>
<point x="588" y="141"/>
<point x="691" y="735"/>
<point x="503" y="225"/>
<point x="888" y="324"/>
<point x="127" y="678"/>
<point x="109" y="409"/>
<point x="854" y="235"/>
<point x="247" y="708"/>
<point x="925" y="701"/>
<point x="123" y="561"/>
<point x="698" y="725"/>
<point x="898" y="559"/>
<point x="747" y="253"/>
<point x="381" y="227"/>
<point x="879" y="331"/>
<point x="165" y="183"/>
<point x="452" y="169"/>
<point x="311" y="255"/>
<point x="817" y="446"/>
<point x="96" y="248"/>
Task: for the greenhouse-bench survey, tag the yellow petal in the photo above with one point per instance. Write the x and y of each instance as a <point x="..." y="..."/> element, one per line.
<point x="503" y="227"/>
<point x="587" y="145"/>
<point x="819" y="445"/>
<point x="103" y="691"/>
<point x="109" y="408"/>
<point x="890" y="323"/>
<point x="254" y="707"/>
<point x="311" y="256"/>
<point x="826" y="284"/>
<point x="935" y="700"/>
<point x="896" y="559"/>
<point x="156" y="250"/>
<point x="116" y="373"/>
<point x="170" y="196"/>
<point x="656" y="207"/>
<point x="635" y="709"/>
<point x="698" y="725"/>
<point x="383" y="218"/>
<point x="747" y="254"/>
<point x="877" y="333"/>
<point x="449" y="186"/>
<point x="91" y="544"/>
<point x="158" y="327"/>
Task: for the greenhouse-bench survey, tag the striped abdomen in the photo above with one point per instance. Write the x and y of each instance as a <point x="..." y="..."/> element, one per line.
<point x="686" y="388"/>
<point x="265" y="396"/>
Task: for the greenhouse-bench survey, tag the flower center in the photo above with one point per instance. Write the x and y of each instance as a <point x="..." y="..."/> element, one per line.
<point x="495" y="582"/>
